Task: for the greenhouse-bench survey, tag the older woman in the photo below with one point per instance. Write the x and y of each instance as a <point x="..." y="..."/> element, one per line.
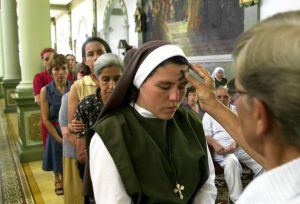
<point x="219" y="76"/>
<point x="268" y="105"/>
<point x="51" y="96"/>
<point x="146" y="148"/>
<point x="108" y="69"/>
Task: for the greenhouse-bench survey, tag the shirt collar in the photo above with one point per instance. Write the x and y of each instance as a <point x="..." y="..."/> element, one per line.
<point x="143" y="112"/>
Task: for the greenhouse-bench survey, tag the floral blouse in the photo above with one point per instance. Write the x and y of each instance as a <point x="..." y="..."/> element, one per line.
<point x="88" y="111"/>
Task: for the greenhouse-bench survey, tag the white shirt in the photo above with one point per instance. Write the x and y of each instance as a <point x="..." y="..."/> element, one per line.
<point x="277" y="186"/>
<point x="108" y="186"/>
<point x="213" y="128"/>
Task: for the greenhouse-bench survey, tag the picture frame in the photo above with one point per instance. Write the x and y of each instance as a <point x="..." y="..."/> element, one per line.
<point x="249" y="15"/>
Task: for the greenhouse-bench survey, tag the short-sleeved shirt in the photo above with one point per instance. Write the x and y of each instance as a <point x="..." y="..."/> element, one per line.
<point x="213" y="128"/>
<point x="85" y="86"/>
<point x="40" y="80"/>
<point x="68" y="148"/>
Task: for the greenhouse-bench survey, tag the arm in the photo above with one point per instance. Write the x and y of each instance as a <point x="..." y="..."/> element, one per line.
<point x="69" y="136"/>
<point x="72" y="106"/>
<point x="208" y="192"/>
<point x="45" y="117"/>
<point x="208" y="125"/>
<point x="107" y="184"/>
<point x="231" y="148"/>
<point x="222" y="114"/>
<point x="37" y="86"/>
<point x="218" y="148"/>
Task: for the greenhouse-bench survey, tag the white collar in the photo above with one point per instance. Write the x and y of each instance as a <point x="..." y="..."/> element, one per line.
<point x="143" y="112"/>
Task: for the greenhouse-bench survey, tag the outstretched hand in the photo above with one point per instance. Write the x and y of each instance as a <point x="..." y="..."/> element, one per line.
<point x="205" y="90"/>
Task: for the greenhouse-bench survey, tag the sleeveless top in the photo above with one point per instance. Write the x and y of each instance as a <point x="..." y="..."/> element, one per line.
<point x="152" y="155"/>
<point x="54" y="99"/>
<point x="85" y="86"/>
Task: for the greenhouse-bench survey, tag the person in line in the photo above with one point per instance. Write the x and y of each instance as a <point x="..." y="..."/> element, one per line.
<point x="192" y="101"/>
<point x="226" y="152"/>
<point x="108" y="69"/>
<point x="72" y="62"/>
<point x="150" y="149"/>
<point x="268" y="106"/>
<point x="219" y="77"/>
<point x="40" y="80"/>
<point x="50" y="97"/>
<point x="92" y="48"/>
<point x="72" y="183"/>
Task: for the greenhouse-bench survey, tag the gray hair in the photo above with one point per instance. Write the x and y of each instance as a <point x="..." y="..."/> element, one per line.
<point x="268" y="67"/>
<point x="107" y="60"/>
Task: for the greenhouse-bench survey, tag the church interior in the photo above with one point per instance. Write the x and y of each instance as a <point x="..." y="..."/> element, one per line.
<point x="206" y="31"/>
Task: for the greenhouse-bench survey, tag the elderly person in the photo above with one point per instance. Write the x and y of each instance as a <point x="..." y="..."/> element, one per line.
<point x="108" y="69"/>
<point x="268" y="106"/>
<point x="226" y="152"/>
<point x="148" y="149"/>
<point x="219" y="76"/>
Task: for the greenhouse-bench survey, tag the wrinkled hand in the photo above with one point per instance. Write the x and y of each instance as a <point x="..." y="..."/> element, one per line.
<point x="77" y="125"/>
<point x="219" y="149"/>
<point x="231" y="148"/>
<point x="205" y="90"/>
<point x="81" y="150"/>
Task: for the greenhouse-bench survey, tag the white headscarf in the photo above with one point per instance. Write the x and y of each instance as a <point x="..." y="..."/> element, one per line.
<point x="156" y="57"/>
<point x="214" y="74"/>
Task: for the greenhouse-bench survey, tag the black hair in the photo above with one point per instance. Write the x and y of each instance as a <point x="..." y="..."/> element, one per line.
<point x="190" y="89"/>
<point x="93" y="39"/>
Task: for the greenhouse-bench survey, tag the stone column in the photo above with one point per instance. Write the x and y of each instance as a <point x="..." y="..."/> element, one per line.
<point x="34" y="34"/>
<point x="1" y="59"/>
<point x="10" y="53"/>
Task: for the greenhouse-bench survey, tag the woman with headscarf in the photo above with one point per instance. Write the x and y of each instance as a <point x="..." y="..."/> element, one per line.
<point x="219" y="76"/>
<point x="146" y="148"/>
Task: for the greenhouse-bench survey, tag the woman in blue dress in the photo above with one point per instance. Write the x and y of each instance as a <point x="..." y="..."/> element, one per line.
<point x="50" y="104"/>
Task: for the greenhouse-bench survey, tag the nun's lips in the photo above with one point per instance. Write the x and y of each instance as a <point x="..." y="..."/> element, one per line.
<point x="171" y="108"/>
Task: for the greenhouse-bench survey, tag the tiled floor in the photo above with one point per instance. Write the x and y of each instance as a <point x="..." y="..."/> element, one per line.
<point x="40" y="182"/>
<point x="45" y="183"/>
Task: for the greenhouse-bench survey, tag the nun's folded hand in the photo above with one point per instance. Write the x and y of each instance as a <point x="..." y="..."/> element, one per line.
<point x="205" y="89"/>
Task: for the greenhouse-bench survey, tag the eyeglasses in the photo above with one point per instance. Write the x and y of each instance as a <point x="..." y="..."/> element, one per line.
<point x="236" y="93"/>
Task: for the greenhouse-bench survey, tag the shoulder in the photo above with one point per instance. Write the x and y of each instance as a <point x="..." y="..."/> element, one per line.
<point x="88" y="102"/>
<point x="116" y="120"/>
<point x="38" y="76"/>
<point x="186" y="113"/>
<point x="87" y="80"/>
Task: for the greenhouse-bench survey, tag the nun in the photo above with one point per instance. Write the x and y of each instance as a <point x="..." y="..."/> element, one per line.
<point x="219" y="76"/>
<point x="146" y="148"/>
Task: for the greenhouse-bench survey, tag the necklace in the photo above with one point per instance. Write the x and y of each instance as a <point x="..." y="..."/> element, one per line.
<point x="178" y="189"/>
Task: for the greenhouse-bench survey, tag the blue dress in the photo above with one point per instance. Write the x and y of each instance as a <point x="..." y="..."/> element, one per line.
<point x="52" y="160"/>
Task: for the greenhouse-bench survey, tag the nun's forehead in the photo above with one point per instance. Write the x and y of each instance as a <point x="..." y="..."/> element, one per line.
<point x="155" y="58"/>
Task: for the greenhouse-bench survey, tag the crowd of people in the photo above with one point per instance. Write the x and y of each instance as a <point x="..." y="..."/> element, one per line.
<point x="140" y="132"/>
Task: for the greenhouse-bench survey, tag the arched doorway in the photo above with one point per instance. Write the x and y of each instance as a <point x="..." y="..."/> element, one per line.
<point x="115" y="24"/>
